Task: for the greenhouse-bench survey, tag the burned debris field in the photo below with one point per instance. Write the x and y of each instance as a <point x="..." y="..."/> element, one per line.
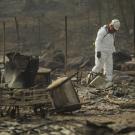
<point x="50" y="54"/>
<point x="66" y="106"/>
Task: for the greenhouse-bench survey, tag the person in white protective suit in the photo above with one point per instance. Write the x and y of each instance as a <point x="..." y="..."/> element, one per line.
<point x="104" y="49"/>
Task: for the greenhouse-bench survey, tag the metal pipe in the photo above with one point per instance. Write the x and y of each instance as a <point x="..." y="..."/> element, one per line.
<point x="18" y="33"/>
<point x="65" y="44"/>
<point x="39" y="34"/>
<point x="134" y="34"/>
<point x="4" y="24"/>
<point x="2" y="70"/>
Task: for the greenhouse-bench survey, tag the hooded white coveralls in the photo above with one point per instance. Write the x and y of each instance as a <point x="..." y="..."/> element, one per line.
<point x="105" y="44"/>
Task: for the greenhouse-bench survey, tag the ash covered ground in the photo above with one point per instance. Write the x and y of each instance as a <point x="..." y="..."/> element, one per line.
<point x="103" y="112"/>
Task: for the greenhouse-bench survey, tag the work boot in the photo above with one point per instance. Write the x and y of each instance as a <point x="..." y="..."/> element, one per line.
<point x="91" y="76"/>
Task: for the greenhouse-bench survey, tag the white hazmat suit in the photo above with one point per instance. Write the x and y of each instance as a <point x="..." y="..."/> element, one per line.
<point x="105" y="44"/>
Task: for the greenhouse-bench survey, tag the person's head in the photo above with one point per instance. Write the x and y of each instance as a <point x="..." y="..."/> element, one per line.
<point x="114" y="26"/>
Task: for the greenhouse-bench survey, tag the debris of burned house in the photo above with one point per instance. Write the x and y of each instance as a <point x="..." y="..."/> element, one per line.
<point x="20" y="70"/>
<point x="128" y="66"/>
<point x="56" y="61"/>
<point x="74" y="63"/>
<point x="119" y="58"/>
<point x="43" y="76"/>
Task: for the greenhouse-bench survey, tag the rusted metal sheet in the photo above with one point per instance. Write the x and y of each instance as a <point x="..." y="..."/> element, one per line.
<point x="64" y="96"/>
